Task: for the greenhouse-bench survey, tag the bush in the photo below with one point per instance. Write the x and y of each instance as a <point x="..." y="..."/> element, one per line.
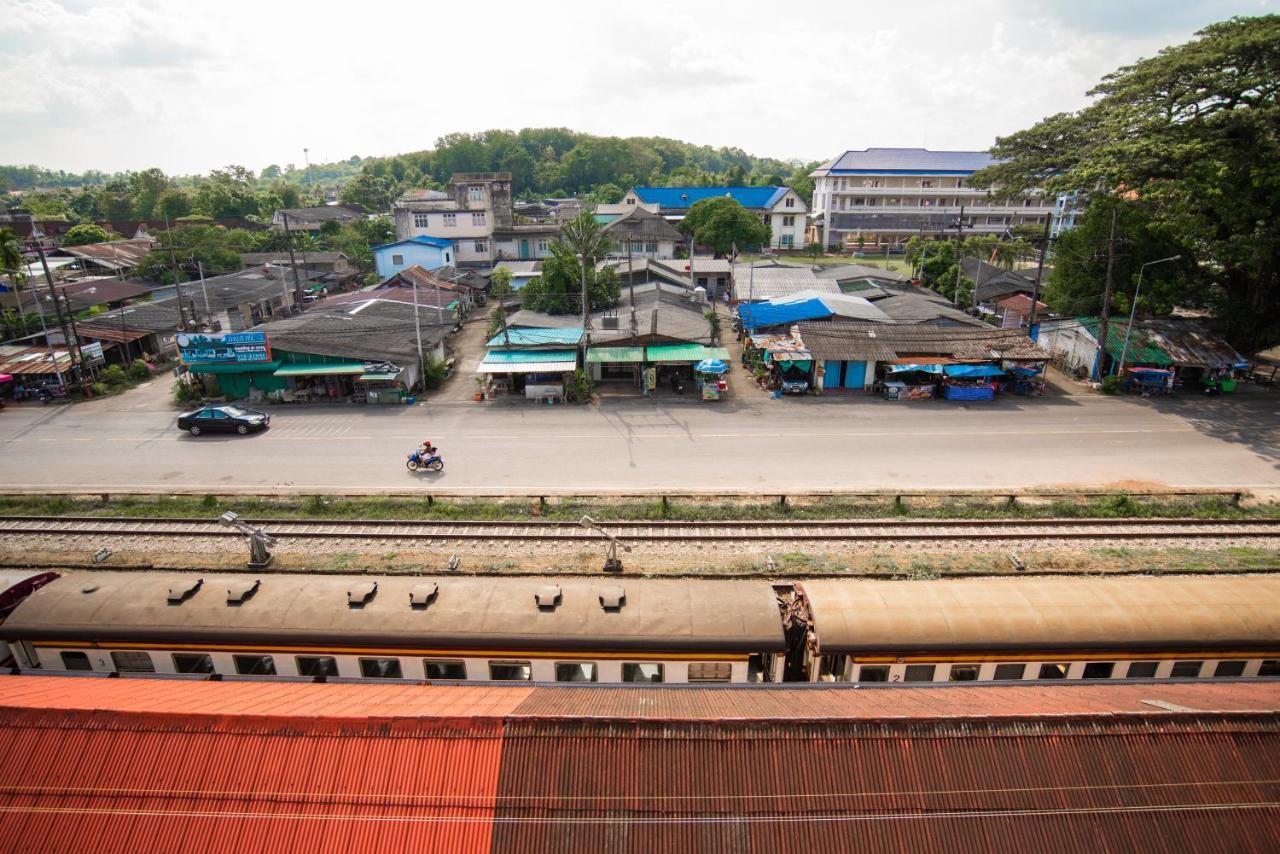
<point x="115" y="377"/>
<point x="100" y="389"/>
<point x="184" y="392"/>
<point x="139" y="371"/>
<point x="578" y="389"/>
<point x="1110" y="384"/>
<point x="432" y="373"/>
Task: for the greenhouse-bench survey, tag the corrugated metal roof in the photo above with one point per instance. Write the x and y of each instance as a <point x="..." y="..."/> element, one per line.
<point x="1142" y="349"/>
<point x="684" y="353"/>
<point x="25" y="361"/>
<point x="529" y="337"/>
<point x="616" y="355"/>
<point x="878" y="160"/>
<point x="680" y="198"/>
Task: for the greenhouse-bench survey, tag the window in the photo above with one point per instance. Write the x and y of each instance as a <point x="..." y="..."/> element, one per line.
<point x="477" y="218"/>
<point x="1098" y="670"/>
<point x="634" y="671"/>
<point x="1270" y="667"/>
<point x="133" y="662"/>
<point x="789" y="202"/>
<point x="788" y="221"/>
<point x="481" y="246"/>
<point x="317" y="665"/>
<point x="918" y="673"/>
<point x="710" y="672"/>
<point x="544" y="245"/>
<point x="964" y="673"/>
<point x="788" y="239"/>
<point x="630" y="201"/>
<point x="380" y="668"/>
<point x="575" y="671"/>
<point x="1226" y="669"/>
<point x="421" y="220"/>
<point x="475" y="194"/>
<point x="397" y="260"/>
<point x="1008" y="672"/>
<point x="75" y="661"/>
<point x="1142" y="670"/>
<point x="446" y="258"/>
<point x="450" y="220"/>
<point x="874" y="673"/>
<point x="651" y="248"/>
<point x="255" y="665"/>
<point x="445" y="669"/>
<point x="1185" y="669"/>
<point x="875" y="182"/>
<point x="192" y="662"/>
<point x="1053" y="671"/>
<point x="510" y="671"/>
<point x="702" y="281"/>
<point x="926" y="184"/>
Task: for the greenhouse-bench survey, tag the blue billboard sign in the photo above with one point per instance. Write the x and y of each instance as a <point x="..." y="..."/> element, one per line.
<point x="223" y="348"/>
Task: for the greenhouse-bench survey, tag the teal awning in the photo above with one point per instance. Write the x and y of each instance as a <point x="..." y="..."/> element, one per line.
<point x="377" y="377"/>
<point x="528" y="361"/>
<point x="234" y="367"/>
<point x="615" y="355"/>
<point x="685" y="353"/>
<point x="320" y="369"/>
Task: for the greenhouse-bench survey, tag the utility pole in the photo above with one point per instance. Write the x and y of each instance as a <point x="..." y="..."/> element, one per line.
<point x="75" y="336"/>
<point x="71" y="344"/>
<point x="417" y="325"/>
<point x="208" y="312"/>
<point x="35" y="295"/>
<point x="631" y="287"/>
<point x="1035" y="289"/>
<point x="586" y="310"/>
<point x="293" y="262"/>
<point x="1104" y="316"/>
<point x="177" y="276"/>
<point x="959" y="225"/>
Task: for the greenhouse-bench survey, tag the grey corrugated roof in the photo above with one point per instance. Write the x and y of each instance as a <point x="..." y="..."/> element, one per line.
<point x="958" y="342"/>
<point x="846" y="272"/>
<point x="377" y="330"/>
<point x="678" y="318"/>
<point x="910" y="308"/>
<point x="914" y="159"/>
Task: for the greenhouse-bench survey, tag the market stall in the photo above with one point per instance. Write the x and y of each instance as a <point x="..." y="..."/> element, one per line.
<point x="1149" y="381"/>
<point x="970" y="382"/>
<point x="1025" y="379"/>
<point x="711" y="374"/>
<point x="913" y="381"/>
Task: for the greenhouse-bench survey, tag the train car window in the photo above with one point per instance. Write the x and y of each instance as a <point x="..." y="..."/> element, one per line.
<point x="192" y="662"/>
<point x="1099" y="670"/>
<point x="1227" y="669"/>
<point x="641" y="671"/>
<point x="963" y="673"/>
<point x="1053" y="671"/>
<point x="133" y="662"/>
<point x="1008" y="672"/>
<point x="1270" y="667"/>
<point x="1185" y="669"/>
<point x="918" y="673"/>
<point x="255" y="665"/>
<point x="380" y="668"/>
<point x="831" y="668"/>
<point x="1142" y="670"/>
<point x="575" y="671"/>
<point x="706" y="671"/>
<point x="873" y="673"/>
<point x="76" y="661"/>
<point x="316" y="665"/>
<point x="510" y="671"/>
<point x="445" y="669"/>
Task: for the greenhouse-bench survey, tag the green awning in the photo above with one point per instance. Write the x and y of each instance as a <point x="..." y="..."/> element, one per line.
<point x="348" y="368"/>
<point x="685" y="353"/>
<point x="369" y="378"/>
<point x="615" y="355"/>
<point x="234" y="368"/>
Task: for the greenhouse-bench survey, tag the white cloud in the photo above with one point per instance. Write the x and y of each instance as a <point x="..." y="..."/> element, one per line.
<point x="192" y="86"/>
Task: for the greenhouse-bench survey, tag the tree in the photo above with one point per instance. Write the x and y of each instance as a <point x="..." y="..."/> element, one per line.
<point x="814" y="251"/>
<point x="173" y="203"/>
<point x="558" y="288"/>
<point x="584" y="236"/>
<point x="146" y="188"/>
<point x="373" y="192"/>
<point x="12" y="259"/>
<point x="79" y="235"/>
<point x="500" y="283"/>
<point x="228" y="194"/>
<point x="720" y="223"/>
<point x="1192" y="134"/>
<point x="606" y="194"/>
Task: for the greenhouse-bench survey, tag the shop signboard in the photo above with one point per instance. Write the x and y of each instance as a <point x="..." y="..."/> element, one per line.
<point x="92" y="352"/>
<point x="223" y="347"/>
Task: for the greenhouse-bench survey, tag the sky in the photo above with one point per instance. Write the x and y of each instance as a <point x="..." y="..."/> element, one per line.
<point x="192" y="85"/>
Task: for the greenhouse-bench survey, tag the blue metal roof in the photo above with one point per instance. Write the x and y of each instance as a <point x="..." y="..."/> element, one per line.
<point x="678" y="198"/>
<point x="907" y="160"/>
<point x="757" y="315"/>
<point x="421" y="239"/>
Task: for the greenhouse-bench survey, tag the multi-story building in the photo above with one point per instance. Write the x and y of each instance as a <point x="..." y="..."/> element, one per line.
<point x="475" y="213"/>
<point x="779" y="207"/>
<point x="882" y="196"/>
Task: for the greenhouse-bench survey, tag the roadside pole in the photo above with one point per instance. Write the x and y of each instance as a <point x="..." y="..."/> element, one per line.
<point x="293" y="262"/>
<point x="208" y="313"/>
<point x="1104" y="317"/>
<point x="959" y="228"/>
<point x="1035" y="289"/>
<point x="417" y="325"/>
<point x="73" y="347"/>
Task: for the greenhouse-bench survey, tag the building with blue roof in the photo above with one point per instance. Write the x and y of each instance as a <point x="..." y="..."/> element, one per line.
<point x="879" y="197"/>
<point x="429" y="253"/>
<point x="781" y="208"/>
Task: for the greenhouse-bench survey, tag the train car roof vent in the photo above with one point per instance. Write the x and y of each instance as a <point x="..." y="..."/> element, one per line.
<point x="89" y="588"/>
<point x="361" y="593"/>
<point x="239" y="592"/>
<point x="547" y="596"/>
<point x="423" y="594"/>
<point x="612" y="598"/>
<point x="181" y="591"/>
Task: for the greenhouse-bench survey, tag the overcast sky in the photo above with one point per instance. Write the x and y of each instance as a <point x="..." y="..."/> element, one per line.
<point x="189" y="85"/>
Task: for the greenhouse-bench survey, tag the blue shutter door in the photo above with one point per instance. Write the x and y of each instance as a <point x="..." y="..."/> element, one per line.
<point x="831" y="374"/>
<point x="855" y="374"/>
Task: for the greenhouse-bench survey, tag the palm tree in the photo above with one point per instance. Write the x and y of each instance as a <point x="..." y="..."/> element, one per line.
<point x="11" y="257"/>
<point x="585" y="236"/>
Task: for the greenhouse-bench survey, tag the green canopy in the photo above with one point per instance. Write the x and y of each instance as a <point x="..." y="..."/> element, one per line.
<point x="234" y="367"/>
<point x="685" y="353"/>
<point x="615" y="355"/>
<point x="320" y="369"/>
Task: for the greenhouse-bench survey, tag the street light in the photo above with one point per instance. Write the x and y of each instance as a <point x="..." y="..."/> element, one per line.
<point x="1133" y="310"/>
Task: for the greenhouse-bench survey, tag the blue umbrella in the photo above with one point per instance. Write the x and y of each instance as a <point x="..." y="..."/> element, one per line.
<point x="711" y="366"/>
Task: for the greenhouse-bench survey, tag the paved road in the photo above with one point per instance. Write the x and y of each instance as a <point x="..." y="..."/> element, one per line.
<point x="130" y="442"/>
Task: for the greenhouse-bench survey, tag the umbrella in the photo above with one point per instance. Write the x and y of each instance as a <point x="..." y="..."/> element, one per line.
<point x="711" y="366"/>
<point x="6" y="378"/>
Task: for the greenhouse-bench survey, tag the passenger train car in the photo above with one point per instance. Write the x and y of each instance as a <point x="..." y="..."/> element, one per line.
<point x="629" y="630"/>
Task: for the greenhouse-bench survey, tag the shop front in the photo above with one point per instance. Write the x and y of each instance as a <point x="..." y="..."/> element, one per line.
<point x="534" y="374"/>
<point x="622" y="365"/>
<point x="674" y="364"/>
<point x="311" y="382"/>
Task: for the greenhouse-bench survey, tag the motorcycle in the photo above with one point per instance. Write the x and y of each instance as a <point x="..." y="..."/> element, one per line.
<point x="416" y="462"/>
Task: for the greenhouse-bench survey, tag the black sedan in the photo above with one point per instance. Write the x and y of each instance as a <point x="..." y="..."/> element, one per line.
<point x="223" y="419"/>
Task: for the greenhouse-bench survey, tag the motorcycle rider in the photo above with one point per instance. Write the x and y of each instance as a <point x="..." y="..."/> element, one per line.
<point x="427" y="451"/>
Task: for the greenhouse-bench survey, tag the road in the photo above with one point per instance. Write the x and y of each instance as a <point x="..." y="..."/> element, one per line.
<point x="130" y="443"/>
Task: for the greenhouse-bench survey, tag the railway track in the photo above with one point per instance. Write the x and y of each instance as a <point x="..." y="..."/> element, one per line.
<point x="870" y="530"/>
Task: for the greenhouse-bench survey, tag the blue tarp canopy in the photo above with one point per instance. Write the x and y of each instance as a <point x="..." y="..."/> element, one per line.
<point x="755" y="315"/>
<point x="927" y="369"/>
<point x="711" y="366"/>
<point x="972" y="371"/>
